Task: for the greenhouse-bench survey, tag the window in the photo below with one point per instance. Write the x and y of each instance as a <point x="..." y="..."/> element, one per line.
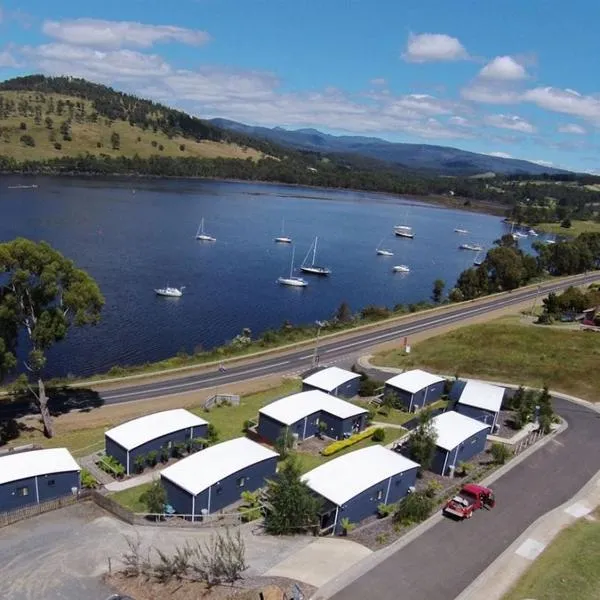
<point x="170" y="445"/>
<point x="23" y="491"/>
<point x="51" y="482"/>
<point x="241" y="481"/>
<point x="219" y="491"/>
<point x="380" y="495"/>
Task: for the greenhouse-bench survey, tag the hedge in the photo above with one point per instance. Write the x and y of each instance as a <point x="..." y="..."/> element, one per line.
<point x="341" y="444"/>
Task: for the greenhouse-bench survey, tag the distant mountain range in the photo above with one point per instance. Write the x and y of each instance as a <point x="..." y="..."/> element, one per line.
<point x="441" y="160"/>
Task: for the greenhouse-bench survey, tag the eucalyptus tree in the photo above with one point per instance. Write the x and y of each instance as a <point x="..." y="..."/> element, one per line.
<point x="42" y="295"/>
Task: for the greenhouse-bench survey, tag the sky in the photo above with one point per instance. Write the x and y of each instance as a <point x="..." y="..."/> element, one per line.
<point x="515" y="78"/>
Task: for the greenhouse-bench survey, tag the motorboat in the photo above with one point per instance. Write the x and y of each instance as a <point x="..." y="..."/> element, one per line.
<point x="401" y="269"/>
<point x="312" y="268"/>
<point x="291" y="280"/>
<point x="170" y="292"/>
<point x="382" y="251"/>
<point x="478" y="261"/>
<point x="473" y="247"/>
<point x="533" y="232"/>
<point x="202" y="236"/>
<point x="404" y="231"/>
<point x="459" y="230"/>
<point x="283" y="239"/>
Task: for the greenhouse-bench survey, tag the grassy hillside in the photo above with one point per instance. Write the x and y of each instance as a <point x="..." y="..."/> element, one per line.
<point x="40" y="126"/>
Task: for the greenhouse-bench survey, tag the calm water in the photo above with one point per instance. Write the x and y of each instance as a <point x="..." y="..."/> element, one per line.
<point x="132" y="243"/>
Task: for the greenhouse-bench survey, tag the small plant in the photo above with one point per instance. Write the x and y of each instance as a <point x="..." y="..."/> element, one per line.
<point x="322" y="429"/>
<point x="385" y="510"/>
<point x="250" y="508"/>
<point x="212" y="435"/>
<point x="248" y="423"/>
<point x="110" y="465"/>
<point x="372" y="415"/>
<point x="88" y="481"/>
<point x="378" y="435"/>
<point x="464" y="468"/>
<point x="433" y="488"/>
<point x="178" y="449"/>
<point x="347" y="526"/>
<point x="152" y="458"/>
<point x="284" y="443"/>
<point x="165" y="454"/>
<point x="140" y="463"/>
<point x="382" y="538"/>
<point x="57" y="146"/>
<point x="500" y="452"/>
<point x="155" y="497"/>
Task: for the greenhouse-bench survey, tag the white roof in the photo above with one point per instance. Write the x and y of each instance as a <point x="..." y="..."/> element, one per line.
<point x="22" y="465"/>
<point x="331" y="378"/>
<point x="343" y="478"/>
<point x="292" y="408"/>
<point x="452" y="429"/>
<point x="145" y="429"/>
<point x="413" y="381"/>
<point x="207" y="467"/>
<point x="482" y="395"/>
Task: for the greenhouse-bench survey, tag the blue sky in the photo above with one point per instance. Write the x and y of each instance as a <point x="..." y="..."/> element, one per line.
<point x="511" y="77"/>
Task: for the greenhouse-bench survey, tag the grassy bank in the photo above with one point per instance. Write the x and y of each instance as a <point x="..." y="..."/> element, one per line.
<point x="567" y="569"/>
<point x="506" y="350"/>
<point x="576" y="228"/>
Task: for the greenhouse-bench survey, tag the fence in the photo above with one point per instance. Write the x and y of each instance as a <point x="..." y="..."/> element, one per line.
<point x="218" y="399"/>
<point x="523" y="444"/>
<point x="114" y="507"/>
<point x="17" y="449"/>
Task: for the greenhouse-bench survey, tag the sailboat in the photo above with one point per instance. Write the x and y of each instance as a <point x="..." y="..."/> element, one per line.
<point x="283" y="239"/>
<point x="404" y="230"/>
<point x="381" y="251"/>
<point x="459" y="230"/>
<point x="312" y="268"/>
<point x="401" y="269"/>
<point x="533" y="232"/>
<point x="204" y="237"/>
<point x="473" y="247"/>
<point x="170" y="292"/>
<point x="291" y="280"/>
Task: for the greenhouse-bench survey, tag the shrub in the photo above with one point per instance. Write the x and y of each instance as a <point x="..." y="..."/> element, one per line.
<point x="140" y="463"/>
<point x="464" y="468"/>
<point x="212" y="435"/>
<point x="23" y="125"/>
<point x="322" y="428"/>
<point x="347" y="526"/>
<point x="27" y="140"/>
<point x="57" y="146"/>
<point x="413" y="508"/>
<point x="182" y="147"/>
<point x="367" y="387"/>
<point x="372" y="414"/>
<point x="433" y="488"/>
<point x="178" y="449"/>
<point x="248" y="423"/>
<point x="165" y="454"/>
<point x="110" y="465"/>
<point x="250" y="508"/>
<point x="88" y="481"/>
<point x="378" y="435"/>
<point x="382" y="538"/>
<point x="155" y="498"/>
<point x="161" y="147"/>
<point x="152" y="457"/>
<point x="284" y="443"/>
<point x="500" y="452"/>
<point x="385" y="510"/>
<point x="341" y="444"/>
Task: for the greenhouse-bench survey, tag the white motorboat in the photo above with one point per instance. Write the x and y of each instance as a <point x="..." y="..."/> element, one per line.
<point x="533" y="232"/>
<point x="291" y="280"/>
<point x="312" y="268"/>
<point x="459" y="230"/>
<point x="382" y="251"/>
<point x="473" y="247"/>
<point x="202" y="236"/>
<point x="170" y="292"/>
<point x="519" y="235"/>
<point x="401" y="269"/>
<point x="478" y="260"/>
<point x="283" y="239"/>
<point x="404" y="231"/>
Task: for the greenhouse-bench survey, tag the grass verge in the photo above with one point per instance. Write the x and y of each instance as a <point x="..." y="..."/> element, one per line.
<point x="504" y="350"/>
<point x="576" y="228"/>
<point x="131" y="498"/>
<point x="568" y="567"/>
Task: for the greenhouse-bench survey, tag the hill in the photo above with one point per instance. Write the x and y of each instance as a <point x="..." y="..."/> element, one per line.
<point x="441" y="160"/>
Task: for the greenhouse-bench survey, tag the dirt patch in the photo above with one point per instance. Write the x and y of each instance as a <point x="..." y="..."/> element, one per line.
<point x="314" y="445"/>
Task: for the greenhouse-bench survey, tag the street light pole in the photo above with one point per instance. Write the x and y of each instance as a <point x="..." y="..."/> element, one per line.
<point x="537" y="293"/>
<point x="315" y="360"/>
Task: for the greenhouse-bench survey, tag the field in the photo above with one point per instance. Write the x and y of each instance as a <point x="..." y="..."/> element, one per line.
<point x="576" y="228"/>
<point x="95" y="138"/>
<point x="567" y="569"/>
<point x="507" y="350"/>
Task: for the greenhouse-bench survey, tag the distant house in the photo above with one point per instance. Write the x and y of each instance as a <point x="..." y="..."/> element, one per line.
<point x="152" y="432"/>
<point x="335" y="381"/>
<point x="353" y="485"/>
<point x="478" y="400"/>
<point x="459" y="438"/>
<point x="208" y="481"/>
<point x="37" y="476"/>
<point x="301" y="414"/>
<point x="414" y="389"/>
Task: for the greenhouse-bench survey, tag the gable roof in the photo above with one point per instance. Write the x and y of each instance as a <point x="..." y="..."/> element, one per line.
<point x="453" y="429"/>
<point x="199" y="471"/>
<point x="331" y="378"/>
<point x="292" y="408"/>
<point x="343" y="478"/>
<point x="139" y="431"/>
<point x="22" y="465"/>
<point x="482" y="395"/>
<point x="413" y="381"/>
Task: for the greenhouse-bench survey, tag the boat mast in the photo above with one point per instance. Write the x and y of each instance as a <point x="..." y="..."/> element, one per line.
<point x="314" y="252"/>
<point x="292" y="263"/>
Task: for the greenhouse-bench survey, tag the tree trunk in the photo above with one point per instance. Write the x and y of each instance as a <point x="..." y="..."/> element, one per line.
<point x="44" y="411"/>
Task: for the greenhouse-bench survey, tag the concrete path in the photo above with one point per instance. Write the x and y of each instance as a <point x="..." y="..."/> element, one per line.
<point x="118" y="486"/>
<point x="321" y="560"/>
<point x="505" y="571"/>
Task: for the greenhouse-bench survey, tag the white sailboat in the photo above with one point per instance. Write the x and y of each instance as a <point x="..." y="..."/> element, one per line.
<point x="401" y="269"/>
<point x="382" y="251"/>
<point x="459" y="230"/>
<point x="404" y="231"/>
<point x="291" y="280"/>
<point x="204" y="237"/>
<point x="283" y="239"/>
<point x="473" y="247"/>
<point x="312" y="268"/>
<point x="170" y="292"/>
<point x="533" y="232"/>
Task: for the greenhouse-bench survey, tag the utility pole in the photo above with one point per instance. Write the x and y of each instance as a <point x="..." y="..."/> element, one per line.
<point x="537" y="293"/>
<point x="315" y="360"/>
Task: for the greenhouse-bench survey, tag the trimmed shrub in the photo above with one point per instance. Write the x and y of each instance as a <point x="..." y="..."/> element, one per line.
<point x="165" y="454"/>
<point x="110" y="465"/>
<point x="378" y="435"/>
<point x="140" y="463"/>
<point x="152" y="457"/>
<point x="385" y="510"/>
<point x="88" y="481"/>
<point x="341" y="444"/>
<point x="347" y="525"/>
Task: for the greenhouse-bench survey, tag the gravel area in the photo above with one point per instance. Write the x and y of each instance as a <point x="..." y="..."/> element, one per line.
<point x="505" y="427"/>
<point x="314" y="445"/>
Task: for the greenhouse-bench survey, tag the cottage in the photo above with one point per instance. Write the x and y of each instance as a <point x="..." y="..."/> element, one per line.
<point x="153" y="432"/>
<point x="414" y="389"/>
<point x="478" y="400"/>
<point x="335" y="381"/>
<point x="459" y="438"/>
<point x="208" y="481"/>
<point x="301" y="414"/>
<point x="37" y="476"/>
<point x="353" y="485"/>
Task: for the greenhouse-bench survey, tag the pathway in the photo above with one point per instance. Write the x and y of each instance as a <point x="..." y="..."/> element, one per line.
<point x="125" y="484"/>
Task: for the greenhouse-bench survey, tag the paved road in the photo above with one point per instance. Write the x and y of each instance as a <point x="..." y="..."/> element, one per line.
<point x="328" y="351"/>
<point x="443" y="561"/>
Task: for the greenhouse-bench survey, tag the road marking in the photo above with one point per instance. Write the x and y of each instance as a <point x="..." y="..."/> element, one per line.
<point x="530" y="549"/>
<point x="578" y="510"/>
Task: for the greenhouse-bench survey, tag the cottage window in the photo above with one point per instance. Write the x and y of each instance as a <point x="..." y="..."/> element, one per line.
<point x="219" y="491"/>
<point x="380" y="495"/>
<point x="23" y="491"/>
<point x="241" y="481"/>
<point x="51" y="482"/>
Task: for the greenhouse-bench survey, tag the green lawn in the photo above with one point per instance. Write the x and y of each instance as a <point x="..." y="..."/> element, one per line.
<point x="565" y="360"/>
<point x="399" y="417"/>
<point x="576" y="228"/>
<point x="567" y="569"/>
<point x="131" y="498"/>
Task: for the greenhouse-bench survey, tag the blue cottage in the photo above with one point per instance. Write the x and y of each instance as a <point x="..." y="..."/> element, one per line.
<point x="208" y="481"/>
<point x="413" y="390"/>
<point x="301" y="414"/>
<point x="478" y="400"/>
<point x="459" y="438"/>
<point x="37" y="476"/>
<point x="355" y="484"/>
<point x="333" y="380"/>
<point x="152" y="432"/>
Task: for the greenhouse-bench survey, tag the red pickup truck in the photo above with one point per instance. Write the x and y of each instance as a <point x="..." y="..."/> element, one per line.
<point x="470" y="498"/>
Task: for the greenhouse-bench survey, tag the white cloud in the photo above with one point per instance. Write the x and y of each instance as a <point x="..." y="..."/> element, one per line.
<point x="491" y="93"/>
<point x="503" y="68"/>
<point x="512" y="122"/>
<point x="378" y="81"/>
<point x="572" y="128"/>
<point x="500" y="154"/>
<point x="98" y="33"/>
<point x="460" y="121"/>
<point x="428" y="47"/>
<point x="7" y="59"/>
<point x="543" y="163"/>
<point x="565" y="101"/>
